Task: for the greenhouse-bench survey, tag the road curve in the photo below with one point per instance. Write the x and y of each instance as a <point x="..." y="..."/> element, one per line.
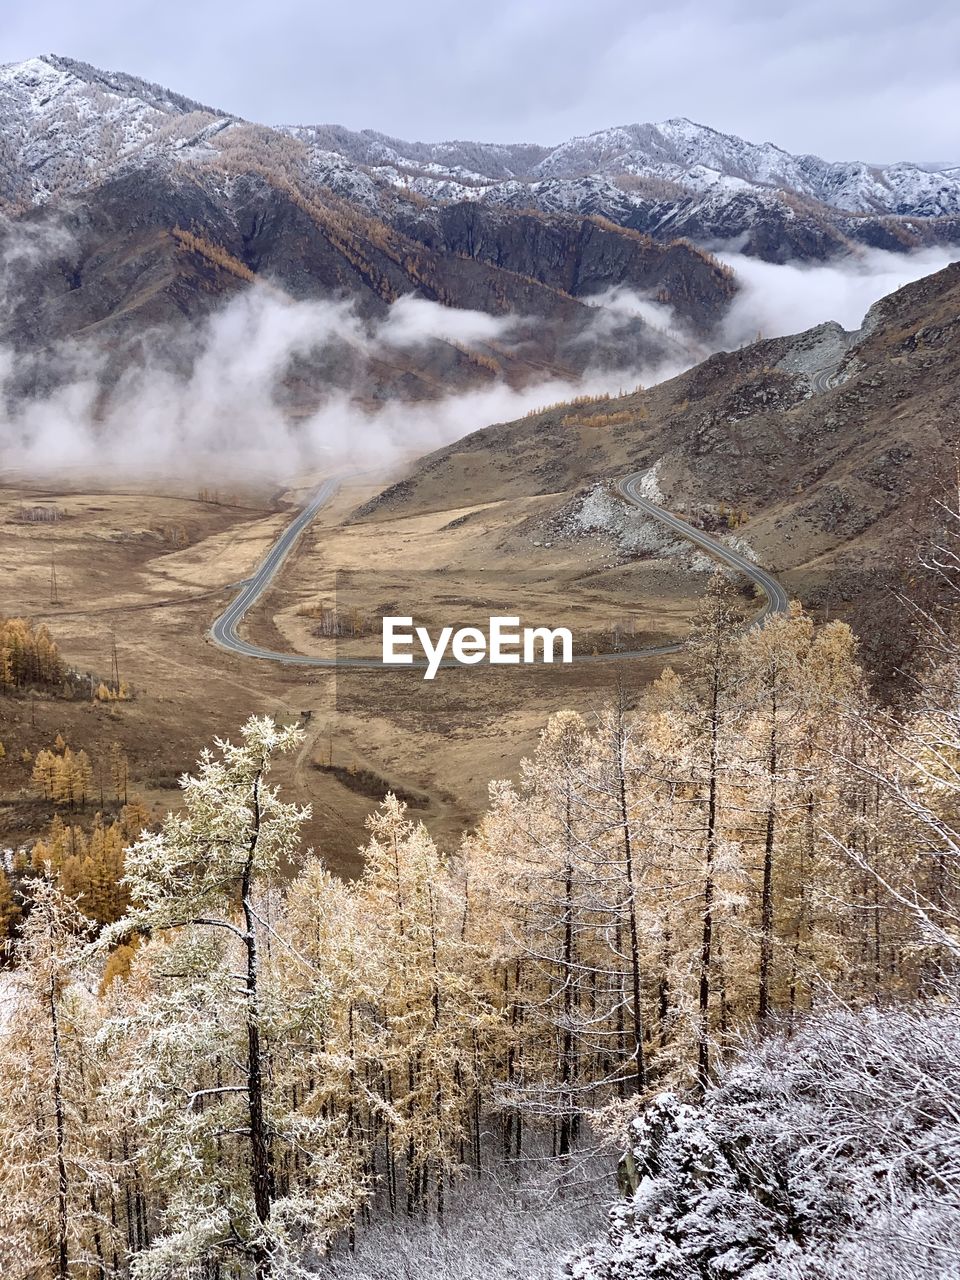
<point x="224" y="630"/>
<point x="825" y="379"/>
<point x="777" y="599"/>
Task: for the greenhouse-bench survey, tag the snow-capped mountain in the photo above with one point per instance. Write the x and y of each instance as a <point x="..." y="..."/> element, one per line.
<point x="673" y="179"/>
<point x="66" y="127"/>
<point x="692" y="156"/>
<point x="126" y="209"/>
<point x="699" y="158"/>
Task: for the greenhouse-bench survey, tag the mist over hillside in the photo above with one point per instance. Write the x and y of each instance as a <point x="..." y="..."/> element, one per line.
<point x="180" y="284"/>
<point x="265" y="384"/>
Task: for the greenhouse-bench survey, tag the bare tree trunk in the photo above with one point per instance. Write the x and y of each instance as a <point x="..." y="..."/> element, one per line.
<point x="261" y="1166"/>
<point x="437" y="1081"/>
<point x="567" y="1071"/>
<point x="389" y="1156"/>
<point x="663" y="990"/>
<point x="477" y="1157"/>
<point x="58" y="1111"/>
<point x="640" y="1066"/>
<point x="706" y="946"/>
<point x="766" y="898"/>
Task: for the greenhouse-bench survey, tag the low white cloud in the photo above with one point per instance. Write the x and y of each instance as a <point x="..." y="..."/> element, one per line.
<point x="211" y="402"/>
<point x="414" y="321"/>
<point x="23" y="242"/>
<point x="778" y="299"/>
<point x="620" y="305"/>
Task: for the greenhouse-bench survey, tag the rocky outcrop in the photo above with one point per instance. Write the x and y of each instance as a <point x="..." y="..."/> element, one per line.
<point x="581" y="256"/>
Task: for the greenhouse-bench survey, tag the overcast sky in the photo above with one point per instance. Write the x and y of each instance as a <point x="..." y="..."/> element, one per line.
<point x="866" y="79"/>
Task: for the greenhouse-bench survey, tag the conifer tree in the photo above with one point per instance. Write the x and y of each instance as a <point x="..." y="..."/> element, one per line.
<point x="50" y="1163"/>
<point x="203" y="1044"/>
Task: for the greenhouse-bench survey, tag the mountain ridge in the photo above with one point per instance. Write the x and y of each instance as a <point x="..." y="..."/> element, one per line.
<point x="678" y="150"/>
<point x="67" y="126"/>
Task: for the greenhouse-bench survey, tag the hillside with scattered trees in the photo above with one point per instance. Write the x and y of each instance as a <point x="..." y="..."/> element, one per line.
<point x="28" y="656"/>
<point x="719" y="917"/>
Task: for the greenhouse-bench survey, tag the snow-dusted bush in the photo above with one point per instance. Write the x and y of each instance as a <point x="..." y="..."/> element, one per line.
<point x="492" y="1230"/>
<point x="834" y="1153"/>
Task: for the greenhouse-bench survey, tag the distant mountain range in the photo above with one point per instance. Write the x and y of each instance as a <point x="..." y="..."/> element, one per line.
<point x="126" y="207"/>
<point x="67" y="125"/>
<point x="690" y="156"/>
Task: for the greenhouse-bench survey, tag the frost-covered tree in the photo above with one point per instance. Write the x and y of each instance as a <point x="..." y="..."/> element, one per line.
<point x="800" y="685"/>
<point x="247" y="1173"/>
<point x="539" y="852"/>
<point x="53" y="1174"/>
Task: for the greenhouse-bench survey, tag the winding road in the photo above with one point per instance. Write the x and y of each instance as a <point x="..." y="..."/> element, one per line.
<point x="777" y="599"/>
<point x="224" y="630"/>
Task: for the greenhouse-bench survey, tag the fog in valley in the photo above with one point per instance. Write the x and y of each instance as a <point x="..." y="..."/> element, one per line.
<point x="210" y="399"/>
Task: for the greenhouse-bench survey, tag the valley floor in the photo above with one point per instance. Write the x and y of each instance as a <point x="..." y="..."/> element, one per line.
<point x="140" y="577"/>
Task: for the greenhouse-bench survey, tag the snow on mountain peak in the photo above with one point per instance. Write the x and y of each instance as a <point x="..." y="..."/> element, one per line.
<point x="65" y="124"/>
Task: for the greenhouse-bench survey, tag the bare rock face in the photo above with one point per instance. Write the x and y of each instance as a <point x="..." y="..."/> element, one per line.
<point x="582" y="256"/>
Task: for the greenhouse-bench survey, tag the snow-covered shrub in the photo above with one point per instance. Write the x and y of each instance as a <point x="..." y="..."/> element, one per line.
<point x="493" y="1229"/>
<point x="833" y="1153"/>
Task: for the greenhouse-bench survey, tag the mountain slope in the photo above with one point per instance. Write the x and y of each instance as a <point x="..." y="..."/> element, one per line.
<point x="132" y="213"/>
<point x="129" y="268"/>
<point x="67" y="127"/>
<point x="830" y="442"/>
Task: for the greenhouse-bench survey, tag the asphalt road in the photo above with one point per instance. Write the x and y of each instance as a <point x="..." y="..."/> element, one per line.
<point x="824" y="380"/>
<point x="777" y="599"/>
<point x="224" y="630"/>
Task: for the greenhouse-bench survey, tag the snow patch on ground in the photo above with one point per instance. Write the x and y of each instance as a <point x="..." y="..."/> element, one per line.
<point x="494" y="1229"/>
